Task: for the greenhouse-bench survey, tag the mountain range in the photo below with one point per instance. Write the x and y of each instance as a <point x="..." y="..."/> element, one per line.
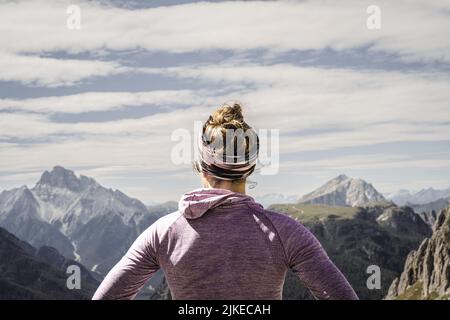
<point x="73" y="219"/>
<point x="76" y="215"/>
<point x="424" y="196"/>
<point x="347" y="191"/>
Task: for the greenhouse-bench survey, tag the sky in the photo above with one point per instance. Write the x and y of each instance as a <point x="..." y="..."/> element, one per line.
<point x="104" y="99"/>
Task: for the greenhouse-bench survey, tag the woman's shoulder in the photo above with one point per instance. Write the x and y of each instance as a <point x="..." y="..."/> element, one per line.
<point x="294" y="236"/>
<point x="163" y="224"/>
<point x="282" y="221"/>
<point x="169" y="218"/>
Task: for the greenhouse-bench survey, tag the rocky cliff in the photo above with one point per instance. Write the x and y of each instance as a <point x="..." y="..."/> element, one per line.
<point x="426" y="273"/>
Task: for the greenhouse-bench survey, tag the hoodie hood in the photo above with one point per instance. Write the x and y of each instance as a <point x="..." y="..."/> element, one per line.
<point x="194" y="204"/>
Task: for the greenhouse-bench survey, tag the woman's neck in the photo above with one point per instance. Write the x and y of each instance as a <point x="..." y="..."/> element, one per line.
<point x="238" y="187"/>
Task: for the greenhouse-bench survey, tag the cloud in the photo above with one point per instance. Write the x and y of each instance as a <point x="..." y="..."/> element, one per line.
<point x="329" y="98"/>
<point x="413" y="30"/>
<point x="315" y="108"/>
<point x="39" y="126"/>
<point x="51" y="72"/>
<point x="373" y="161"/>
<point x="98" y="101"/>
<point x="31" y="30"/>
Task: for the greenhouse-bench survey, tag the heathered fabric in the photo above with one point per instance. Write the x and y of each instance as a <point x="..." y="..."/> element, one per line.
<point x="224" y="245"/>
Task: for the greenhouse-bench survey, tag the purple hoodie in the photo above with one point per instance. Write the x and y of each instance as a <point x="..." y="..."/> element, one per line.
<point x="223" y="245"/>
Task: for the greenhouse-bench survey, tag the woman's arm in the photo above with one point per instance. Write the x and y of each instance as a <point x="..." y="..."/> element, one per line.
<point x="312" y="265"/>
<point x="309" y="261"/>
<point x="130" y="274"/>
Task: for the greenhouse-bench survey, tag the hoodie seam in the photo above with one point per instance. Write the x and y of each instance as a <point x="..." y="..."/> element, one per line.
<point x="164" y="235"/>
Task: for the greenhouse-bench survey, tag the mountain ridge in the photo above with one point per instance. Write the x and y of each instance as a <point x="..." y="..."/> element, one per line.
<point x="421" y="197"/>
<point x="61" y="206"/>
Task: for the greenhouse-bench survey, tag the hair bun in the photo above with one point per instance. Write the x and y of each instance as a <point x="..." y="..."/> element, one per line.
<point x="228" y="116"/>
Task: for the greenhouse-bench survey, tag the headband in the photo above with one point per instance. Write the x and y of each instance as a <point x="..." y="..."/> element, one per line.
<point x="226" y="166"/>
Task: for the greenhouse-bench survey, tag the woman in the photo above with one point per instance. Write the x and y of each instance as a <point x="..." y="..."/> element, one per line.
<point x="221" y="244"/>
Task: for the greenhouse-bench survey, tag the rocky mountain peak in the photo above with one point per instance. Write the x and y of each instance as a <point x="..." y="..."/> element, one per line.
<point x="60" y="177"/>
<point x="75" y="214"/>
<point x="23" y="191"/>
<point x="15" y="203"/>
<point x="426" y="271"/>
<point x="344" y="191"/>
<point x="341" y="177"/>
<point x="63" y="179"/>
<point x="404" y="221"/>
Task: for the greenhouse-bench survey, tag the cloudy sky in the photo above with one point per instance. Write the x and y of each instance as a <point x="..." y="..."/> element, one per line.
<point x="104" y="99"/>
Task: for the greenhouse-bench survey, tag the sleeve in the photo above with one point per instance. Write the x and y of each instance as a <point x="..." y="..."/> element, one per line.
<point x="130" y="274"/>
<point x="309" y="261"/>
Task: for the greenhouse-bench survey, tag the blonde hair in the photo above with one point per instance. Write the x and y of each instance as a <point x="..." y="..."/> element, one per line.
<point x="228" y="117"/>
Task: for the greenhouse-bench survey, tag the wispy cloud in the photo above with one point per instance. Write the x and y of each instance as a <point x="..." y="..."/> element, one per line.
<point x="410" y="29"/>
<point x="322" y="108"/>
<point x="333" y="98"/>
<point x="65" y="73"/>
<point x="51" y="72"/>
<point x="98" y="101"/>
